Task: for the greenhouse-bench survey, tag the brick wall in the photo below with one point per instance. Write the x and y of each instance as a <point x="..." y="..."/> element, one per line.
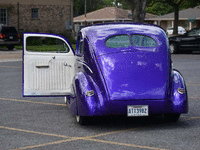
<point x="51" y="17"/>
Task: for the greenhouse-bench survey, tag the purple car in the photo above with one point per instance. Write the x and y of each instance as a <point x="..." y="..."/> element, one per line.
<point x="116" y="69"/>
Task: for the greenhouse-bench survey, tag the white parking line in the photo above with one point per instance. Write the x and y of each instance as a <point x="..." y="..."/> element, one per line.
<point x="27" y="101"/>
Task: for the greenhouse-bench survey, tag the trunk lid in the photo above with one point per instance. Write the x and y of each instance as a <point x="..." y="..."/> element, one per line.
<point x="135" y="75"/>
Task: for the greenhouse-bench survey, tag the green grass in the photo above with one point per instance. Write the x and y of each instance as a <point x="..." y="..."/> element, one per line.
<point x="3" y="46"/>
<point x="19" y="47"/>
<point x="46" y="48"/>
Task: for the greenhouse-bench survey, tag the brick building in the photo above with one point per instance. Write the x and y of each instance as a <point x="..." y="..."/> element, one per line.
<point x="37" y="15"/>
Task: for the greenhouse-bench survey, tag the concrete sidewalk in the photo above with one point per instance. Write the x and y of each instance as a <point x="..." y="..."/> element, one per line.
<point x="8" y="56"/>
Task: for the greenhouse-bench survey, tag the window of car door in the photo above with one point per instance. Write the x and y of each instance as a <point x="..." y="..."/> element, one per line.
<point x="46" y="45"/>
<point x="194" y="32"/>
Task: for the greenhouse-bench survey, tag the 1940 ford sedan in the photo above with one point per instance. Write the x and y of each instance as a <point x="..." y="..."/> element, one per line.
<point x="116" y="69"/>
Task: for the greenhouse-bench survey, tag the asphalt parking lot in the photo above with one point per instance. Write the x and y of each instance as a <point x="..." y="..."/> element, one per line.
<point x="45" y="123"/>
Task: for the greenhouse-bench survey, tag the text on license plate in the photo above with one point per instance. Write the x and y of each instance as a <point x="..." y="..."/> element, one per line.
<point x="137" y="110"/>
<point x="10" y="37"/>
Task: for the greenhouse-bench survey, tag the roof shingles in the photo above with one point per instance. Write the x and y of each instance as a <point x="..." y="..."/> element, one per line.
<point x="108" y="13"/>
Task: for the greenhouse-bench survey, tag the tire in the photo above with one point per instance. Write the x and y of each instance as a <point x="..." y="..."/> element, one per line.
<point x="82" y="120"/>
<point x="172" y="117"/>
<point x="10" y="47"/>
<point x="66" y="100"/>
<point x="173" y="48"/>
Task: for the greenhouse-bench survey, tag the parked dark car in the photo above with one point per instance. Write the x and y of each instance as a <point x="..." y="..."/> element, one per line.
<point x="116" y="69"/>
<point x="9" y="36"/>
<point x="187" y="43"/>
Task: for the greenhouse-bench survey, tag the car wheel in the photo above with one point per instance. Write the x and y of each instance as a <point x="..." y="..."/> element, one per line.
<point x="10" y="47"/>
<point x="82" y="120"/>
<point x="173" y="48"/>
<point x="172" y="117"/>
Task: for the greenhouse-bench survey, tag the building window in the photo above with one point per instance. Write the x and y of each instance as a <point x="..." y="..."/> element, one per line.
<point x="34" y="13"/>
<point x="3" y="16"/>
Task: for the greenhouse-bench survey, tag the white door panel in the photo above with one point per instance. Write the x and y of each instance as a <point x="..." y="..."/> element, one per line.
<point x="49" y="74"/>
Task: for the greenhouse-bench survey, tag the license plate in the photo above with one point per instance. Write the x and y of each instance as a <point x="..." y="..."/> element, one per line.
<point x="137" y="110"/>
<point x="11" y="37"/>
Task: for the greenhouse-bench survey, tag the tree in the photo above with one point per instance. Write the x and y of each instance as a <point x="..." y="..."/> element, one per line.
<point x="159" y="8"/>
<point x="138" y="9"/>
<point x="116" y="3"/>
<point x="92" y="5"/>
<point x="176" y="5"/>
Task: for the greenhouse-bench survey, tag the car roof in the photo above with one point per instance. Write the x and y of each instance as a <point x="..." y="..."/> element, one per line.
<point x="98" y="34"/>
<point x="195" y="28"/>
<point x="4" y="25"/>
<point x="7" y="26"/>
<point x="118" y="28"/>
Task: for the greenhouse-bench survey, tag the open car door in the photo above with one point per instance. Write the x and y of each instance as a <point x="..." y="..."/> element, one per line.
<point x="48" y="65"/>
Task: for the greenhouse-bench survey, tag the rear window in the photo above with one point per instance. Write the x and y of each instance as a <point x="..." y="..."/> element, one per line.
<point x="118" y="41"/>
<point x="136" y="39"/>
<point x="9" y="30"/>
<point x="143" y="41"/>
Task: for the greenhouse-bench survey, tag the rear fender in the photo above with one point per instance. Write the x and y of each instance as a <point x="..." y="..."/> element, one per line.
<point x="88" y="104"/>
<point x="179" y="93"/>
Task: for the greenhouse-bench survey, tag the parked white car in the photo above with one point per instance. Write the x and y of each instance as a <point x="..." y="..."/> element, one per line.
<point x="181" y="30"/>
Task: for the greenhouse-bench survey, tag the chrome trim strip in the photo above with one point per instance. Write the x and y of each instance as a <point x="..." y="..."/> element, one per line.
<point x="85" y="65"/>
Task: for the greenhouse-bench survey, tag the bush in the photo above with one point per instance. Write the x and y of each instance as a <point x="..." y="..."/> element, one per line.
<point x="68" y="36"/>
<point x="65" y="34"/>
<point x="49" y="41"/>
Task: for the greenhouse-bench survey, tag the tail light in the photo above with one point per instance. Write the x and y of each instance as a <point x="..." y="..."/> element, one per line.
<point x="18" y="35"/>
<point x="2" y="36"/>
